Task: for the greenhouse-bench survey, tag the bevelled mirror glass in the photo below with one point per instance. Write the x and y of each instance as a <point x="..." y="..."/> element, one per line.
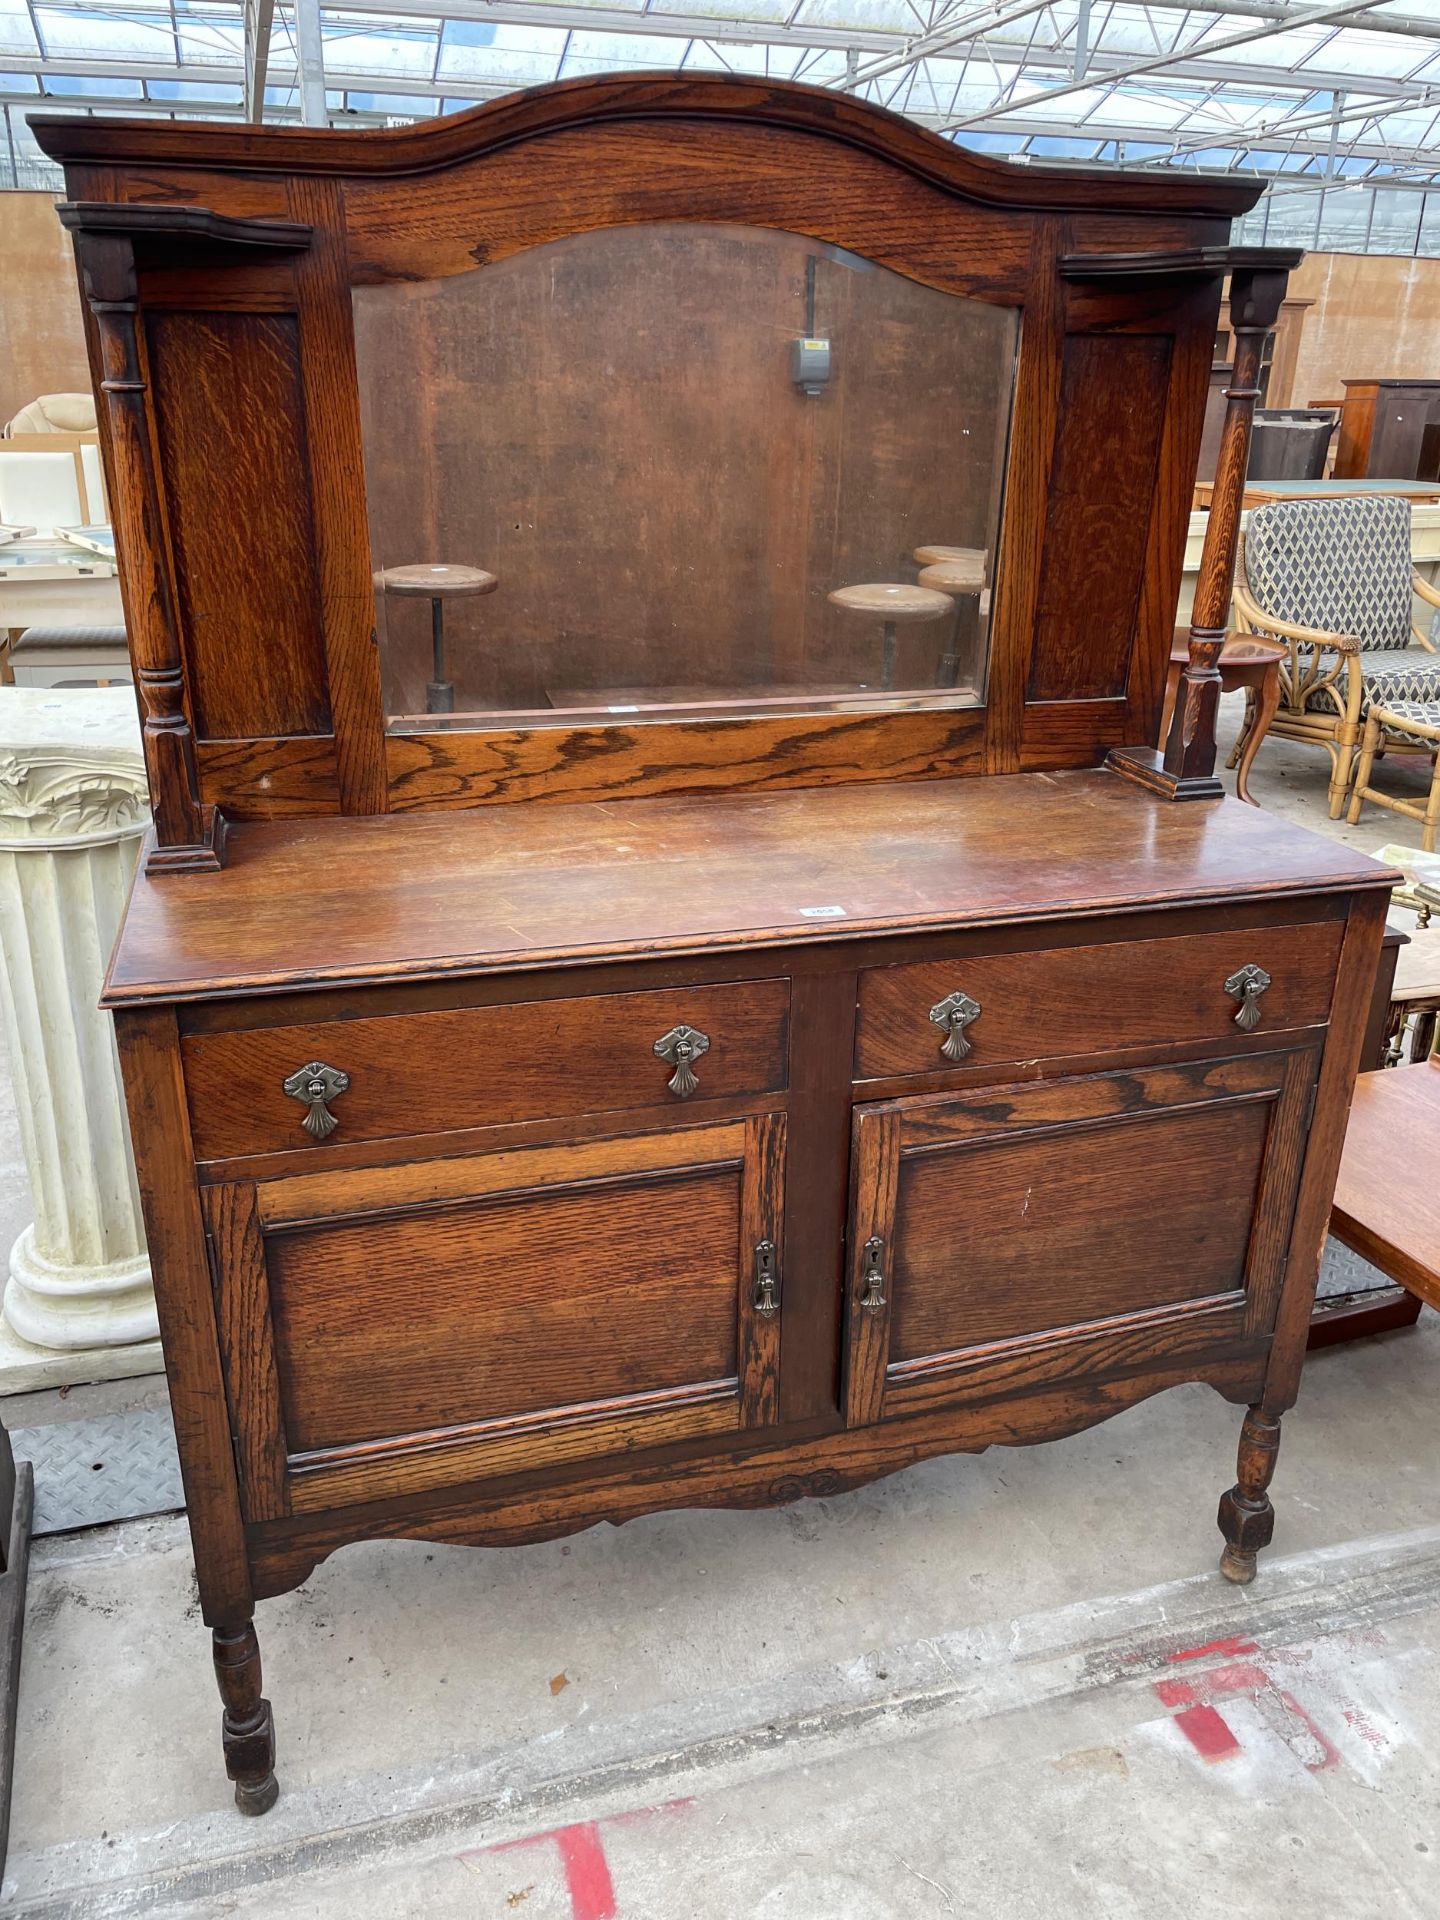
<point x="672" y="470"/>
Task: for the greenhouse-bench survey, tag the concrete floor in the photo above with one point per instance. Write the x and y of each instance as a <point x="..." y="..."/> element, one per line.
<point x="1007" y="1686"/>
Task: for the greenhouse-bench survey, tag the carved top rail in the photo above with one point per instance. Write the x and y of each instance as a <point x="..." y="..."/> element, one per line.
<point x="611" y="100"/>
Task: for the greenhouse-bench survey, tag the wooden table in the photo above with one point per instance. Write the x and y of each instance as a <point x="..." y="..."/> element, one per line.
<point x="1245" y="662"/>
<point x="1387" y="1199"/>
<point x="1260" y="493"/>
<point x="52" y="583"/>
<point x="1415" y="990"/>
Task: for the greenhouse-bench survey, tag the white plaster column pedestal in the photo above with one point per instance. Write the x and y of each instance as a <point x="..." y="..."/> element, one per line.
<point x="73" y="804"/>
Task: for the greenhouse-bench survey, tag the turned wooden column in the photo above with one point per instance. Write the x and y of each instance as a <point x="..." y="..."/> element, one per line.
<point x="1186" y="770"/>
<point x="188" y="833"/>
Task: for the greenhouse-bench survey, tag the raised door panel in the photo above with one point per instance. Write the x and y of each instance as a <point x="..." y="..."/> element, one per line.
<point x="1086" y="1224"/>
<point x="1113" y="397"/>
<point x="395" y="1328"/>
<point x="230" y="417"/>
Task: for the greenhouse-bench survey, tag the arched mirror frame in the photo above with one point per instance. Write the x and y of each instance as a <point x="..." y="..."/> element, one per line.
<point x="273" y="688"/>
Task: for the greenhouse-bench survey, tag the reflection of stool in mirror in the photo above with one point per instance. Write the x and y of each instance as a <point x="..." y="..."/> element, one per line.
<point x="957" y="571"/>
<point x="893" y="606"/>
<point x="968" y="562"/>
<point x="437" y="585"/>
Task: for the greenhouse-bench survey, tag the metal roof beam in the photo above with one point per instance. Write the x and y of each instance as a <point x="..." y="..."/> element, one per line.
<point x="538" y="13"/>
<point x="1158" y="62"/>
<point x="970" y="27"/>
<point x="1252" y="76"/>
<point x="257" y="21"/>
<point x="1411" y="26"/>
<point x="1035" y="126"/>
<point x="1333" y="118"/>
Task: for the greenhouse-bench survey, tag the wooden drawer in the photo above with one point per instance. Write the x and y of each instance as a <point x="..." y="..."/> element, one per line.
<point x="483" y="1066"/>
<point x="1072" y="1001"/>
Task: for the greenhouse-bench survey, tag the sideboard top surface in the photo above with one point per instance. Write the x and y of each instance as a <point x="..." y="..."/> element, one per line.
<point x="322" y="902"/>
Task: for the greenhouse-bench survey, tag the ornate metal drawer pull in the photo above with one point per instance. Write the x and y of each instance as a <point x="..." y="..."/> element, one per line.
<point x="872" y="1279"/>
<point x="1246" y="986"/>
<point x="954" y="1013"/>
<point x="680" y="1047"/>
<point x="767" y="1281"/>
<point x="315" y="1085"/>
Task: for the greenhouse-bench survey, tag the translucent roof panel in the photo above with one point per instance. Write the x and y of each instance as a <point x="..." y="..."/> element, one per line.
<point x="113" y="33"/>
<point x="17" y="30"/>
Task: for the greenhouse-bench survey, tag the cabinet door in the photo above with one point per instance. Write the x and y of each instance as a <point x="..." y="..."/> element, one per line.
<point x="394" y="1328"/>
<point x="1020" y="1233"/>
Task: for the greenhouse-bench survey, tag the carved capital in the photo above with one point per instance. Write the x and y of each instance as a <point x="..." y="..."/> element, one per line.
<point x="71" y="770"/>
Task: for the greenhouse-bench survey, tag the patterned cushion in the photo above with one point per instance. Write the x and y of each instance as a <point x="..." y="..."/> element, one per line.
<point x="1426" y="712"/>
<point x="1390" y="676"/>
<point x="1340" y="565"/>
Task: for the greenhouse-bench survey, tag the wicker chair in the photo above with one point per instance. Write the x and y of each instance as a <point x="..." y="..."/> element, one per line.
<point x="1407" y="726"/>
<point x="1335" y="579"/>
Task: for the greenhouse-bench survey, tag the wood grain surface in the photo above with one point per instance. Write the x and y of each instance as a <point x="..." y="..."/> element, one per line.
<point x="1387" y="1196"/>
<point x="1091" y="999"/>
<point x="327" y="901"/>
<point x="484" y="1066"/>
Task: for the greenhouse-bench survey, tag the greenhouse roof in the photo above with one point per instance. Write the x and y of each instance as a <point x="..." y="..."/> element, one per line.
<point x="1339" y="101"/>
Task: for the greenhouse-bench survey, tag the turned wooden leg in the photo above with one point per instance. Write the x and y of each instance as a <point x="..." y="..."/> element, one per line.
<point x="247" y="1729"/>
<point x="1246" y="1517"/>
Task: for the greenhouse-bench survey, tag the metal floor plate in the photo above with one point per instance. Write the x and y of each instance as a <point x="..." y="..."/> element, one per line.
<point x="1344" y="1271"/>
<point x="117" y="1466"/>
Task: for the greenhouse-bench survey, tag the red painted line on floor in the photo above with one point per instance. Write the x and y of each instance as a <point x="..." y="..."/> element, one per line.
<point x="1329" y="1753"/>
<point x="582" y="1855"/>
<point x="1243" y="1677"/>
<point x="587" y="1872"/>
<point x="1211" y="1736"/>
<point x="1236" y="1644"/>
<point x="1207" y="1732"/>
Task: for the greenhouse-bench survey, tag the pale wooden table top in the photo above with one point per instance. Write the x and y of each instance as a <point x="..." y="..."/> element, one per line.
<point x="1387" y="1199"/>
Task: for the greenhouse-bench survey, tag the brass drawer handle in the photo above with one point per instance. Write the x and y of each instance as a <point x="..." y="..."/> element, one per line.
<point x="872" y="1279"/>
<point x="1246" y="986"/>
<point x="766" y="1299"/>
<point x="315" y="1085"/>
<point x="954" y="1013"/>
<point x="680" y="1046"/>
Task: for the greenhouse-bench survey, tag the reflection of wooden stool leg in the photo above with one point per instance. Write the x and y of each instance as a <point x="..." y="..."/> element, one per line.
<point x="950" y="660"/>
<point x="440" y="694"/>
<point x="887" y="658"/>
